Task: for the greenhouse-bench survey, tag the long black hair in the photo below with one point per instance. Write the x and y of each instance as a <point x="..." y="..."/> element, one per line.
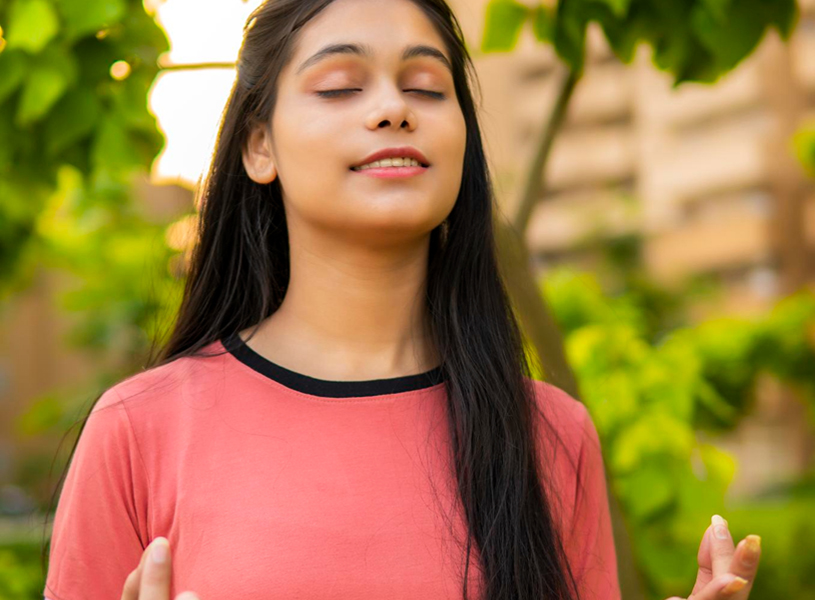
<point x="238" y="274"/>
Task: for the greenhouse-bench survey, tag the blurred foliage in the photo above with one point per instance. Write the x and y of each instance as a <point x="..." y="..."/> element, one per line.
<point x="695" y="40"/>
<point x="788" y="556"/>
<point x="77" y="132"/>
<point x="73" y="120"/>
<point x="20" y="577"/>
<point x="127" y="285"/>
<point x="655" y="383"/>
<point x="652" y="381"/>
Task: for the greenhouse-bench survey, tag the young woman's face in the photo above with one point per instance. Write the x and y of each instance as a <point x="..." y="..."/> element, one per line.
<point x="316" y="138"/>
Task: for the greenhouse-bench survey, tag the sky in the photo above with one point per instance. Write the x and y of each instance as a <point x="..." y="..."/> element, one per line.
<point x="188" y="103"/>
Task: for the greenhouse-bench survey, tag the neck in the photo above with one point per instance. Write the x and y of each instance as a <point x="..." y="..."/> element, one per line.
<point x="362" y="317"/>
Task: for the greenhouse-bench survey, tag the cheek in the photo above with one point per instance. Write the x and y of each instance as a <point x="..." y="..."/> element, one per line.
<point x="309" y="142"/>
<point x="449" y="128"/>
<point x="309" y="136"/>
<point x="450" y="133"/>
<point x="460" y="133"/>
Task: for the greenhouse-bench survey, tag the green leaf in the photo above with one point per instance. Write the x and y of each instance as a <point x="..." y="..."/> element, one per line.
<point x="698" y="40"/>
<point x="112" y="151"/>
<point x="720" y="466"/>
<point x="7" y="132"/>
<point x="618" y="7"/>
<point x="697" y="490"/>
<point x="785" y="17"/>
<point x="53" y="72"/>
<point x="718" y="8"/>
<point x="729" y="39"/>
<point x="571" y="20"/>
<point x="647" y="489"/>
<point x="542" y="23"/>
<point x="89" y="16"/>
<point x="72" y="118"/>
<point x="12" y="66"/>
<point x="713" y="401"/>
<point x="624" y="35"/>
<point x="31" y="25"/>
<point x="129" y="100"/>
<point x="613" y="401"/>
<point x="504" y="21"/>
<point x="651" y="434"/>
<point x="732" y="35"/>
<point x="661" y="560"/>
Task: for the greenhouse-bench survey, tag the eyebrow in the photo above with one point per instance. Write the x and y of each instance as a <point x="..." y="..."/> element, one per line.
<point x="364" y="50"/>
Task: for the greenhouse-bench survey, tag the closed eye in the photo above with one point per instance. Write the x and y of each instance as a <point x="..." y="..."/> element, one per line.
<point x="343" y="92"/>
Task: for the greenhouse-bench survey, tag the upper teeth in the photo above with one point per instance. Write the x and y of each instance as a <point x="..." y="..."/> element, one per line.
<point x="390" y="162"/>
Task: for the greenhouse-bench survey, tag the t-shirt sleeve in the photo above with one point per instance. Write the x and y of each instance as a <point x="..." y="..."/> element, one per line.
<point x="591" y="539"/>
<point x="100" y="524"/>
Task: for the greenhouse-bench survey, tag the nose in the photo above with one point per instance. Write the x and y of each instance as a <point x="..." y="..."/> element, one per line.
<point x="389" y="109"/>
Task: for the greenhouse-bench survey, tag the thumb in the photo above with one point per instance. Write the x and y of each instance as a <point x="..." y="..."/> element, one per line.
<point x="157" y="574"/>
<point x="723" y="586"/>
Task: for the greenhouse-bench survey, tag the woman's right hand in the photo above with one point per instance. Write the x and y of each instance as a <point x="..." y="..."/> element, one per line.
<point x="151" y="579"/>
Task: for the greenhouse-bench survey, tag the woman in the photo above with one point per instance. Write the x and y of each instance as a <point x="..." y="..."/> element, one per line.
<point x="344" y="409"/>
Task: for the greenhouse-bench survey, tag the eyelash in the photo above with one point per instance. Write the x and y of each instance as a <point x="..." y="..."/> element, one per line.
<point x="343" y="92"/>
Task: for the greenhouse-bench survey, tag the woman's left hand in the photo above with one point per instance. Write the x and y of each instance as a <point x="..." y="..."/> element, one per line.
<point x="725" y="571"/>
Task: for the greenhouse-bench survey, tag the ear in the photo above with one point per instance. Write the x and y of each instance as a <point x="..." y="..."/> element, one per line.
<point x="257" y="156"/>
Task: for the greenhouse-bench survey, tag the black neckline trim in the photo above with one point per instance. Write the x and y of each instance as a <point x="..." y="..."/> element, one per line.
<point x="313" y="386"/>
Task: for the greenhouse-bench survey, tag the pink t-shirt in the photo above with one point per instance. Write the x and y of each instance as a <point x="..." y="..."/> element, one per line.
<point x="272" y="484"/>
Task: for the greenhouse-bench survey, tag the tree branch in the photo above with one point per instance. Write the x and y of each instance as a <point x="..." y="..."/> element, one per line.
<point x="536" y="173"/>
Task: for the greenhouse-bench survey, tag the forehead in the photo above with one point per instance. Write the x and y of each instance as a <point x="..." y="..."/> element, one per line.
<point x="372" y="29"/>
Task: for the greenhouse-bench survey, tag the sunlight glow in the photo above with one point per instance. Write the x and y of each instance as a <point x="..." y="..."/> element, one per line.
<point x="188" y="103"/>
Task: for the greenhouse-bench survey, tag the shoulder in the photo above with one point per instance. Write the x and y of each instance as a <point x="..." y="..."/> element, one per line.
<point x="163" y="390"/>
<point x="558" y="399"/>
<point x="567" y="441"/>
<point x="565" y="416"/>
<point x="579" y="493"/>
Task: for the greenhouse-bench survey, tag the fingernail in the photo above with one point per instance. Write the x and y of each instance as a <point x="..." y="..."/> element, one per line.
<point x="752" y="547"/>
<point x="719" y="527"/>
<point x="734" y="586"/>
<point x="159" y="550"/>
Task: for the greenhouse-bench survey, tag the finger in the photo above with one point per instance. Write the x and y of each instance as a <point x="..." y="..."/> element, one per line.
<point x="721" y="587"/>
<point x="130" y="591"/>
<point x="705" y="572"/>
<point x="721" y="547"/>
<point x="155" y="577"/>
<point x="745" y="563"/>
<point x="131" y="587"/>
<point x="144" y="555"/>
<point x="187" y="596"/>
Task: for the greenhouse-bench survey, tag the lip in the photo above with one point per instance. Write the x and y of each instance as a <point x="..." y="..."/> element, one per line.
<point x="392" y="172"/>
<point x="398" y="152"/>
